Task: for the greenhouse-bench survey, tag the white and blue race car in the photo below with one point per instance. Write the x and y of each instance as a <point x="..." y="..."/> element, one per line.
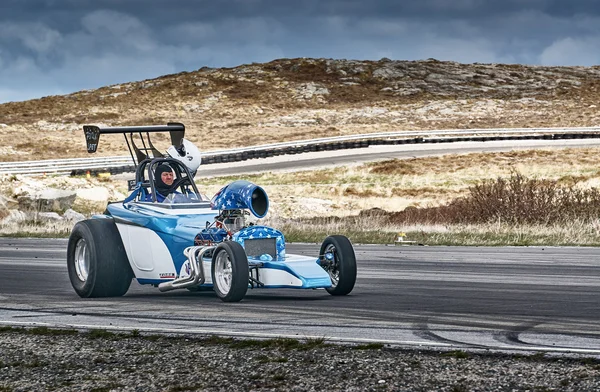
<point x="176" y="238"/>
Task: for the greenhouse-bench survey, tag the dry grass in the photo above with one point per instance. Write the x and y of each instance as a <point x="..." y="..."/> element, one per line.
<point x="293" y="99"/>
<point x="539" y="162"/>
<point x="424" y="182"/>
<point x="272" y="102"/>
<point x="546" y="206"/>
<point x="359" y="201"/>
<point x="35" y="227"/>
<point x="505" y="211"/>
<point x="376" y="230"/>
<point x="571" y="233"/>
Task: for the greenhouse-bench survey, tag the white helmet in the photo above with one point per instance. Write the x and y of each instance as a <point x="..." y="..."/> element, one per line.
<point x="186" y="153"/>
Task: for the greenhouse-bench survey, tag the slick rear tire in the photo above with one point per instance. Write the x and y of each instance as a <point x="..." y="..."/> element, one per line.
<point x="229" y="271"/>
<point x="96" y="260"/>
<point x="342" y="269"/>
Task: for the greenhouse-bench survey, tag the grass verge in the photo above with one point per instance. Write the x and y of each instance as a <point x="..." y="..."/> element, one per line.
<point x="576" y="233"/>
<point x="275" y="343"/>
<point x="513" y="211"/>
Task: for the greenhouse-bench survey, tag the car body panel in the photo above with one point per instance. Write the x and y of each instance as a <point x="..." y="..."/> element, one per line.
<point x="155" y="237"/>
<point x="148" y="260"/>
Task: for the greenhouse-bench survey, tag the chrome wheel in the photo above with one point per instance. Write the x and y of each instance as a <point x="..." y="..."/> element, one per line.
<point x="223" y="272"/>
<point x="82" y="263"/>
<point x="333" y="270"/>
<point x="229" y="271"/>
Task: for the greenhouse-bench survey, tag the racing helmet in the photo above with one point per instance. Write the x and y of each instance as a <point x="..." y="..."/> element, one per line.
<point x="186" y="153"/>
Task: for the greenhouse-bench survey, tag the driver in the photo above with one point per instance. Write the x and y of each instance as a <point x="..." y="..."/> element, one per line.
<point x="163" y="180"/>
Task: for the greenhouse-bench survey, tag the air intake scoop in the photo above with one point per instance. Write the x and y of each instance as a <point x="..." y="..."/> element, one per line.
<point x="242" y="195"/>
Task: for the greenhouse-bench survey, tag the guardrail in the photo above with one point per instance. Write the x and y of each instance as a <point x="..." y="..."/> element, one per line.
<point x="123" y="164"/>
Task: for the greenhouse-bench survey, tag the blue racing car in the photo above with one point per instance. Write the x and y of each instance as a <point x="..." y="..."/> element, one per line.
<point x="166" y="234"/>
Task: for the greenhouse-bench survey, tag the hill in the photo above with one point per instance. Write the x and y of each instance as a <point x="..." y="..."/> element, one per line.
<point x="292" y="99"/>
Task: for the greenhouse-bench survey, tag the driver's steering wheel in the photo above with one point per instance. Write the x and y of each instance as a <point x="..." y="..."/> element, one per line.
<point x="177" y="183"/>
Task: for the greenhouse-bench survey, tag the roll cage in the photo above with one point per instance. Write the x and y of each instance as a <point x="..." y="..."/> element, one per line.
<point x="146" y="158"/>
<point x="144" y="179"/>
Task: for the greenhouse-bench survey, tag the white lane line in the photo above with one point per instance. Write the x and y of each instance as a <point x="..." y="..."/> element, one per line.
<point x="33" y="262"/>
<point x="222" y="332"/>
<point x="508" y="277"/>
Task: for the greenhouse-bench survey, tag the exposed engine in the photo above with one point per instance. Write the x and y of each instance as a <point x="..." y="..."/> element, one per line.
<point x="235" y="202"/>
<point x="232" y="220"/>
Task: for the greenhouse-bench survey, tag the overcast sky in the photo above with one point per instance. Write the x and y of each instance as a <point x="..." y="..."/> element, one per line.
<point x="50" y="47"/>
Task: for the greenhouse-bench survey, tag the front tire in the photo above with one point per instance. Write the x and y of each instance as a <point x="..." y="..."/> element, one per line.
<point x="229" y="271"/>
<point x="340" y="265"/>
<point x="96" y="260"/>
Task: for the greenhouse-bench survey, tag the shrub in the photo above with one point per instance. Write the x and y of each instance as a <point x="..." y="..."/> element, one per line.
<point x="513" y="200"/>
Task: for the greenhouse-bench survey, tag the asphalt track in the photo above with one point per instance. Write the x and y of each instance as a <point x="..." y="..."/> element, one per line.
<point x="477" y="298"/>
<point x="505" y="298"/>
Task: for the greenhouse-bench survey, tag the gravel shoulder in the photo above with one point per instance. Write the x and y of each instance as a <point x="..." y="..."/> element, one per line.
<point x="44" y="360"/>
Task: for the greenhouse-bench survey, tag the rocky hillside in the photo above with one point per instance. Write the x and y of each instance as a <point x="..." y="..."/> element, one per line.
<point x="293" y="99"/>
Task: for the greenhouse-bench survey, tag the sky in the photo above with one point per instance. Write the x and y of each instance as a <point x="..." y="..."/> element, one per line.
<point x="55" y="47"/>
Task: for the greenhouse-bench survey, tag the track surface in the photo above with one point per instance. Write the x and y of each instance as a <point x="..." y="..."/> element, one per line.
<point x="533" y="299"/>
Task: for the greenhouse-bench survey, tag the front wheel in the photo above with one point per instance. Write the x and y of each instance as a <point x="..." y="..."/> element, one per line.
<point x="338" y="259"/>
<point x="230" y="271"/>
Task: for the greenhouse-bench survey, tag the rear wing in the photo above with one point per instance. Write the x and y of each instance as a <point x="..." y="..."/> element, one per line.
<point x="176" y="131"/>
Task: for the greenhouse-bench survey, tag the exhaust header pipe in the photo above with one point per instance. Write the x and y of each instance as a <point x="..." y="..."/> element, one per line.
<point x="194" y="255"/>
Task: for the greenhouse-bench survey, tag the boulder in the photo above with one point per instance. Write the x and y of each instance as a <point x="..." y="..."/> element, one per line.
<point x="49" y="216"/>
<point x="47" y="200"/>
<point x="7" y="201"/>
<point x="97" y="194"/>
<point x="5" y="204"/>
<point x="91" y="200"/>
<point x="15" y="216"/>
<point x="73" y="216"/>
<point x="309" y="90"/>
<point x="388" y="72"/>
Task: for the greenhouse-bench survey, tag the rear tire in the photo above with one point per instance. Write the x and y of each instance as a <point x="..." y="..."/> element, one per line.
<point x="342" y="268"/>
<point x="96" y="260"/>
<point x="229" y="271"/>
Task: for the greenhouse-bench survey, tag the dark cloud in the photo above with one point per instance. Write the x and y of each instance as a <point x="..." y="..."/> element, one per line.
<point x="174" y="11"/>
<point x="59" y="46"/>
